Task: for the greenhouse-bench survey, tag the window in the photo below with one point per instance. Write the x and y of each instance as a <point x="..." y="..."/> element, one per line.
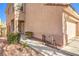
<point x="12" y="25"/>
<point x="22" y="8"/>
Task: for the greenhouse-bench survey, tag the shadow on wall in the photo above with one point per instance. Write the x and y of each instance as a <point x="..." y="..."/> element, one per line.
<point x="52" y="39"/>
<point x="58" y="39"/>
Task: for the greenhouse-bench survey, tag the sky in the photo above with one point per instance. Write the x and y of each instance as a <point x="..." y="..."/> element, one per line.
<point x="3" y="6"/>
<point x="75" y="6"/>
<point x="2" y="11"/>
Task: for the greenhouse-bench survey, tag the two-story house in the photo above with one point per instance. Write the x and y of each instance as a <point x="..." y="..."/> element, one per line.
<point x="59" y="20"/>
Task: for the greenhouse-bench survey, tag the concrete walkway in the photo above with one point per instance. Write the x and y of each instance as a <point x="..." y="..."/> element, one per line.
<point x="43" y="49"/>
<point x="73" y="46"/>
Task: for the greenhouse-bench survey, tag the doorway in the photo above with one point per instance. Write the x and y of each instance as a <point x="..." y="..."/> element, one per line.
<point x="21" y="26"/>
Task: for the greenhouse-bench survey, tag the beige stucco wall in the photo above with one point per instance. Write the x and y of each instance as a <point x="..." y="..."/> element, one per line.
<point x="67" y="18"/>
<point x="71" y="12"/>
<point x="77" y="32"/>
<point x="42" y="19"/>
<point x="10" y="16"/>
<point x="69" y="15"/>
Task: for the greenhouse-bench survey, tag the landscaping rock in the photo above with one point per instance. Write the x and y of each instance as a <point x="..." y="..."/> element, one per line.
<point x="16" y="50"/>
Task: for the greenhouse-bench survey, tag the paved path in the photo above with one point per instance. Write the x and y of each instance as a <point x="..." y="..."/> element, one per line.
<point x="43" y="49"/>
<point x="73" y="46"/>
<point x="71" y="49"/>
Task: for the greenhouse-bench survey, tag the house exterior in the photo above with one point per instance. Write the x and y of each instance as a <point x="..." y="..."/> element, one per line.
<point x="59" y="20"/>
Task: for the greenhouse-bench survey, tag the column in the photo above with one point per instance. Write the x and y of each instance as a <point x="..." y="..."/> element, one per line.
<point x="16" y="17"/>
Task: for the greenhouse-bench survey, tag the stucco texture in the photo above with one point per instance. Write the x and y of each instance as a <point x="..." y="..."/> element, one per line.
<point x="42" y="19"/>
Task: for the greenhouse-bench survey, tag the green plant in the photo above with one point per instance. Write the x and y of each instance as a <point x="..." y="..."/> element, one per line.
<point x="29" y="34"/>
<point x="25" y="45"/>
<point x="13" y="38"/>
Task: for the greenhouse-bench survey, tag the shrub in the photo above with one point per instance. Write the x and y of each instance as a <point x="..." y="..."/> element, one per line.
<point x="29" y="34"/>
<point x="13" y="38"/>
<point x="25" y="45"/>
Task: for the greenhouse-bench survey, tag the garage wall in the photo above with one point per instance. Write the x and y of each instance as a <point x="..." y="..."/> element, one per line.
<point x="73" y="18"/>
<point x="42" y="19"/>
<point x="70" y="27"/>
